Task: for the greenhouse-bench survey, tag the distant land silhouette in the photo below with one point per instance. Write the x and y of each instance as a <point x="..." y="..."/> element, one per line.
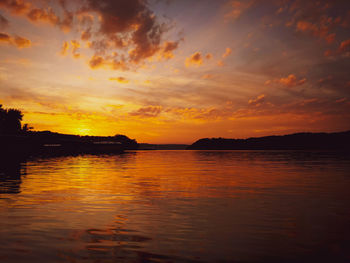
<point x="19" y="140"/>
<point x="297" y="141"/>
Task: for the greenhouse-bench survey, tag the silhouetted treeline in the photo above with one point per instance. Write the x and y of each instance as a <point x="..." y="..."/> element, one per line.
<point x="298" y="141"/>
<point x="10" y="121"/>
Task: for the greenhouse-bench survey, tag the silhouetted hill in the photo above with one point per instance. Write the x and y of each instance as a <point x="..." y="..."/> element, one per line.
<point x="53" y="137"/>
<point x="297" y="141"/>
<point x="51" y="143"/>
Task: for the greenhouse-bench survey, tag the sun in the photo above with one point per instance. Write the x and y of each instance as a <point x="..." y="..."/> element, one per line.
<point x="83" y="129"/>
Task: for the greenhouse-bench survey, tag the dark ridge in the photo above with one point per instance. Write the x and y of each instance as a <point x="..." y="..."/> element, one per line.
<point x="297" y="141"/>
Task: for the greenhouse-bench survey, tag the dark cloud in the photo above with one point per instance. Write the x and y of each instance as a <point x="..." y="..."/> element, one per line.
<point x="5" y="37"/>
<point x="146" y="38"/>
<point x="118" y="16"/>
<point x="127" y="24"/>
<point x="129" y="27"/>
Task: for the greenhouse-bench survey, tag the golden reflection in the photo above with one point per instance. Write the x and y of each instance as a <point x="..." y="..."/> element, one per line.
<point x="153" y="205"/>
<point x="127" y="177"/>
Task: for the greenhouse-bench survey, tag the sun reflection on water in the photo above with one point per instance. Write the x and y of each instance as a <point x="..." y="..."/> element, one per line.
<point x="161" y="206"/>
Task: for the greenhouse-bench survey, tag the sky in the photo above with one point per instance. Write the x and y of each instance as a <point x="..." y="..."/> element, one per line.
<point x="174" y="71"/>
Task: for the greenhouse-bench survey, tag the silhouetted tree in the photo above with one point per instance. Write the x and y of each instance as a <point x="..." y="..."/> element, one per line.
<point x="10" y="120"/>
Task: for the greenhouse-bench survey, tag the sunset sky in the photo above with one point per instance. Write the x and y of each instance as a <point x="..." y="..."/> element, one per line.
<point x="179" y="70"/>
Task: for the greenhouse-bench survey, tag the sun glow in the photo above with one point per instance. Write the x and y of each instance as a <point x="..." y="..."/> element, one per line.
<point x="82" y="129"/>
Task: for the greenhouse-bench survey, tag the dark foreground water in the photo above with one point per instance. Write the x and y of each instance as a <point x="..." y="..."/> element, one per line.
<point x="177" y="206"/>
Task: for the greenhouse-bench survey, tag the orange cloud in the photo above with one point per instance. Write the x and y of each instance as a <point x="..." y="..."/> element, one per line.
<point x="86" y="35"/>
<point x="220" y="63"/>
<point x="19" y="42"/>
<point x="257" y="101"/>
<point x="16" y="6"/>
<point x="147" y="112"/>
<point x="328" y="53"/>
<point x="121" y="80"/>
<point x="228" y="52"/>
<point x="344" y="45"/>
<point x="111" y="62"/>
<point x="320" y="28"/>
<point x="291" y="81"/>
<point x="96" y="62"/>
<point x="48" y="16"/>
<point x="75" y="47"/>
<point x="168" y="48"/>
<point x="194" y="60"/>
<point x="207" y="76"/>
<point x="237" y="9"/>
<point x="208" y="56"/>
<point x="64" y="48"/>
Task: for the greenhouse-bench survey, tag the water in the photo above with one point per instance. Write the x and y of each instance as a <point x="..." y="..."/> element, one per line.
<point x="177" y="206"/>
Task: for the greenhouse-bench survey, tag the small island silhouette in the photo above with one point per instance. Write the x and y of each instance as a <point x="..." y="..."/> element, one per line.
<point x="297" y="141"/>
<point x="19" y="140"/>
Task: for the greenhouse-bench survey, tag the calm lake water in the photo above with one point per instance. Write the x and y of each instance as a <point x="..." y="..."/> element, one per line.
<point x="177" y="206"/>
